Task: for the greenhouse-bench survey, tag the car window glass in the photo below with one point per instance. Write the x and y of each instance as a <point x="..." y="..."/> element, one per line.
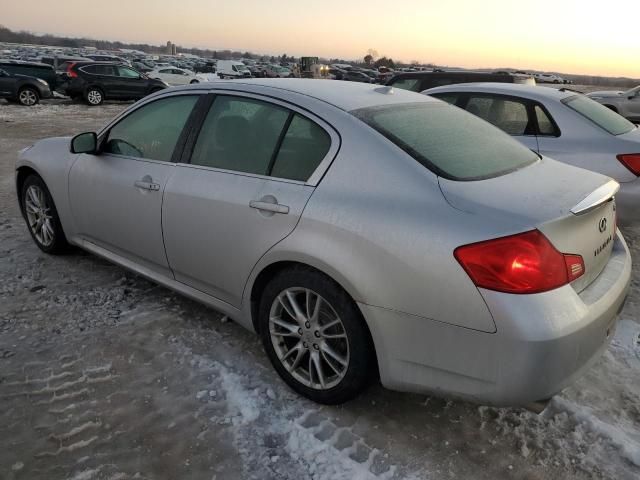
<point x="545" y="125"/>
<point x="599" y="114"/>
<point x="303" y="148"/>
<point x="510" y="116"/>
<point x="451" y="98"/>
<point x="239" y="134"/>
<point x="127" y="72"/>
<point x="447" y="140"/>
<point x="151" y="131"/>
<point x="102" y="69"/>
<point x="166" y="70"/>
<point x="411" y="84"/>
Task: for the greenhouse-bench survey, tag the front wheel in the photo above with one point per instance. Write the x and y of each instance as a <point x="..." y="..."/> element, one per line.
<point x="42" y="217"/>
<point x="28" y="97"/>
<point x="315" y="336"/>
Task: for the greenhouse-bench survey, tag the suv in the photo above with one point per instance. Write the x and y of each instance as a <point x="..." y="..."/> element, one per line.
<point x="25" y="90"/>
<point x="97" y="81"/>
<point x="625" y="103"/>
<point x="419" y="81"/>
<point x="31" y="69"/>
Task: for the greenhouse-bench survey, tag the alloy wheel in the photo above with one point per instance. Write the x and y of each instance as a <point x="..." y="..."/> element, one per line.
<point x="28" y="97"/>
<point x="309" y="338"/>
<point x="39" y="215"/>
<point x="94" y="97"/>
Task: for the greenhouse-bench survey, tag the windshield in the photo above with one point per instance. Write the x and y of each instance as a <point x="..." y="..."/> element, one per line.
<point x="633" y="92"/>
<point x="242" y="67"/>
<point x="447" y="140"/>
<point x="599" y="114"/>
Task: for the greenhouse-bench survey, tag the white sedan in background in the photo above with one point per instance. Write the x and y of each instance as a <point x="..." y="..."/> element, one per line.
<point x="175" y="76"/>
<point x="562" y="124"/>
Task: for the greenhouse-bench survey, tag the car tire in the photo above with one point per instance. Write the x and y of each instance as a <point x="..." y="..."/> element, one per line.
<point x="42" y="217"/>
<point x="28" y="96"/>
<point x="334" y="354"/>
<point x="611" y="107"/>
<point x="94" y="96"/>
<point x="194" y="82"/>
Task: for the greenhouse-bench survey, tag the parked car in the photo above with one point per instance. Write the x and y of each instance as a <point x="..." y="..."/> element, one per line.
<point x="32" y="69"/>
<point x="96" y="82"/>
<point x="562" y="124"/>
<point x="336" y="73"/>
<point x="275" y="71"/>
<point x="548" y="78"/>
<point x="232" y="69"/>
<point x="626" y="103"/>
<point x="175" y="76"/>
<point x="357" y="76"/>
<point x="462" y="263"/>
<point x="419" y="81"/>
<point x="22" y="89"/>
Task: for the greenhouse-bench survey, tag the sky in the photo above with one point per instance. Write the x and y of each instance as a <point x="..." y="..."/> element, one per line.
<point x="569" y="36"/>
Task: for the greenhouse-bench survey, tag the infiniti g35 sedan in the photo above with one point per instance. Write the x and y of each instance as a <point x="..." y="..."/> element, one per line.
<point x="362" y="232"/>
<point x="564" y="125"/>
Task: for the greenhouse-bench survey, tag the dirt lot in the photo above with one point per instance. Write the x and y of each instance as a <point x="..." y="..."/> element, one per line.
<point x="104" y="375"/>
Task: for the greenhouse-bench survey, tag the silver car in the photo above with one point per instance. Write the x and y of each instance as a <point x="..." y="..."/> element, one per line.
<point x="362" y="232"/>
<point x="562" y="124"/>
<point x="626" y="103"/>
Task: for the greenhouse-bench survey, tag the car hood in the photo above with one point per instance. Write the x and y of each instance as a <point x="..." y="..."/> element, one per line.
<point x="605" y="93"/>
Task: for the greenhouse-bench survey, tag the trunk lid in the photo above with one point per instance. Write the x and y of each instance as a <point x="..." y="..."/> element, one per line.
<point x="573" y="208"/>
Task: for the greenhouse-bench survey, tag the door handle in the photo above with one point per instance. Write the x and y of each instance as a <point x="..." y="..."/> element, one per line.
<point x="154" y="187"/>
<point x="269" y="207"/>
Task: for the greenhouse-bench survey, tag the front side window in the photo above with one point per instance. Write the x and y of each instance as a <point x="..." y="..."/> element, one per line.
<point x="127" y="72"/>
<point x="599" y="114"/>
<point x="412" y="84"/>
<point x="447" y="140"/>
<point x="152" y="131"/>
<point x="239" y="134"/>
<point x="508" y="115"/>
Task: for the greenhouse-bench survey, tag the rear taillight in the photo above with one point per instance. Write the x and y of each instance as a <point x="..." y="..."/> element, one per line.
<point x="70" y="72"/>
<point x="522" y="263"/>
<point x="631" y="161"/>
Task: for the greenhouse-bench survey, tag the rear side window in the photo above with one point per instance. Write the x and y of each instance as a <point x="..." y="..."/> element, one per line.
<point x="99" y="69"/>
<point x="508" y="115"/>
<point x="239" y="134"/>
<point x="447" y="140"/>
<point x="451" y="98"/>
<point x="545" y="125"/>
<point x="303" y="148"/>
<point x="152" y="131"/>
<point x="412" y="84"/>
<point x="599" y="114"/>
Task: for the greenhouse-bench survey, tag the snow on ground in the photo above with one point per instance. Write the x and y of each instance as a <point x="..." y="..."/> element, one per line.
<point x="104" y="375"/>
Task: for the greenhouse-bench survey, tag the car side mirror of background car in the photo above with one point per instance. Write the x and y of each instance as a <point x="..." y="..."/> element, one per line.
<point x="85" y="143"/>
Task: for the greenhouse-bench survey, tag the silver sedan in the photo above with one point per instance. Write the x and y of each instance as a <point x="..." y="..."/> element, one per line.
<point x="362" y="232"/>
<point x="562" y="124"/>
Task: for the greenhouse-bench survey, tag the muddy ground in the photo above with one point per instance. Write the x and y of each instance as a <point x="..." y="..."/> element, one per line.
<point x="104" y="375"/>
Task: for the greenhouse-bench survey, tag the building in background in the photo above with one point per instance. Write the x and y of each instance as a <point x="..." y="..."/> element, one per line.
<point x="171" y="49"/>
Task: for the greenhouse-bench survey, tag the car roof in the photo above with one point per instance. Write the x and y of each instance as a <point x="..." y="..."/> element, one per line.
<point x="533" y="92"/>
<point x="343" y="95"/>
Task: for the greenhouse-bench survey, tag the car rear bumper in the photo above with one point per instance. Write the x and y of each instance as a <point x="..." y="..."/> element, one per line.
<point x="542" y="344"/>
<point x="628" y="202"/>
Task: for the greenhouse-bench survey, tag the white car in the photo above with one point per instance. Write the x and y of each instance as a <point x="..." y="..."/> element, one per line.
<point x="548" y="78"/>
<point x="626" y="103"/>
<point x="175" y="76"/>
<point x="561" y="124"/>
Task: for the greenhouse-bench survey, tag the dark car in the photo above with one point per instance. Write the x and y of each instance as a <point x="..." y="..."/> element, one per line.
<point x="31" y="69"/>
<point x="23" y="89"/>
<point x="355" y="76"/>
<point x="419" y="81"/>
<point x="96" y="82"/>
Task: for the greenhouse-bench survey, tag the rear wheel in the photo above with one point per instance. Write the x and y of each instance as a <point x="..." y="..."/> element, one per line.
<point x="94" y="96"/>
<point x="28" y="96"/>
<point x="315" y="336"/>
<point x="42" y="217"/>
<point x="194" y="81"/>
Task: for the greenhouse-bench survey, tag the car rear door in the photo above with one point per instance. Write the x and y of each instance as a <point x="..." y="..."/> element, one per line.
<point x="116" y="196"/>
<point x="241" y="188"/>
<point x="7" y="83"/>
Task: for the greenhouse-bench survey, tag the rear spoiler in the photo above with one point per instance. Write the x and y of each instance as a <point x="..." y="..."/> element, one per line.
<point x="600" y="195"/>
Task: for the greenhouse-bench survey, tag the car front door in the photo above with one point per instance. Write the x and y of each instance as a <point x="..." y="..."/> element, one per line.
<point x="116" y="196"/>
<point x="251" y="172"/>
<point x="510" y="114"/>
<point x="131" y="84"/>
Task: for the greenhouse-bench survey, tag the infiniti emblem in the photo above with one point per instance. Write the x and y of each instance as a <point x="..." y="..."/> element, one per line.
<point x="602" y="226"/>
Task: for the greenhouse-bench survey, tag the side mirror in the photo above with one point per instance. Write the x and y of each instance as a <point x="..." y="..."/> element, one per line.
<point x="85" y="143"/>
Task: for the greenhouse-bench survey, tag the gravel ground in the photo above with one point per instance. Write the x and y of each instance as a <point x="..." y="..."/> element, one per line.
<point x="104" y="375"/>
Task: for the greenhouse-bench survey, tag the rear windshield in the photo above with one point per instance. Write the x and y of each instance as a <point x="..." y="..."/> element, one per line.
<point x="449" y="141"/>
<point x="599" y="114"/>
